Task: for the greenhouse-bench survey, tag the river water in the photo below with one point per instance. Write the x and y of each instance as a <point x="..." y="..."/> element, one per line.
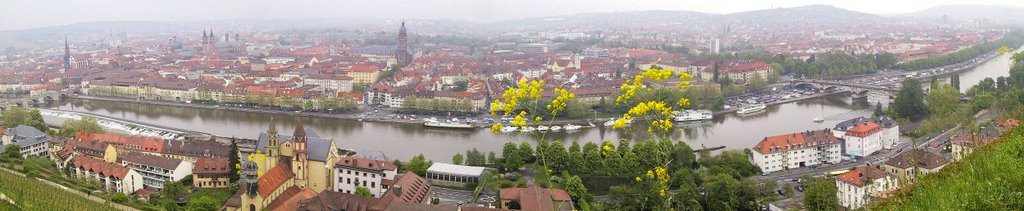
<point x="402" y="141"/>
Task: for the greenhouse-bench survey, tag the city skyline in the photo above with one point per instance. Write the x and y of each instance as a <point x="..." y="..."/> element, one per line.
<point x="45" y="13"/>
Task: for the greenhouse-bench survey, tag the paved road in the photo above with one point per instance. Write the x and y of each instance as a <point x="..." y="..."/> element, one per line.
<point x="452" y="196"/>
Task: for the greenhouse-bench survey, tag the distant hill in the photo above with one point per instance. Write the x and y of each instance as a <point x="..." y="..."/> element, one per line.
<point x="813" y="14"/>
<point x="971" y="12"/>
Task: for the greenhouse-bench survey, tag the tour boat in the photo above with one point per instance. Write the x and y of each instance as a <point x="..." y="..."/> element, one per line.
<point x="527" y="129"/>
<point x="749" y="109"/>
<point x="556" y="128"/>
<point x="569" y="127"/>
<point x="448" y="124"/>
<point x="508" y="129"/>
<point x="693" y="115"/>
<point x="819" y="119"/>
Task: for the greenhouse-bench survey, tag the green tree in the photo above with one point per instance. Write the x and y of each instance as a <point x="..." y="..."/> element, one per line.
<point x="233" y="161"/>
<point x="12" y="152"/>
<point x="457" y="159"/>
<point x="574" y="186"/>
<point x="418" y="165"/>
<point x="492" y="159"/>
<point x="955" y="81"/>
<point x="821" y="195"/>
<point x="510" y="157"/>
<point x="526" y="152"/>
<point x="475" y="158"/>
<point x="721" y="190"/>
<point x="86" y="124"/>
<point x="943" y="100"/>
<point x="363" y="191"/>
<point x="909" y="102"/>
<point x="15" y="116"/>
<point x="982" y="101"/>
<point x="202" y="204"/>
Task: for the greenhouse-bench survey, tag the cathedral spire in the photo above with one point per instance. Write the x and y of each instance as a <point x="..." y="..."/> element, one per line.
<point x="273" y="129"/>
<point x="300" y="132"/>
<point x="67" y="54"/>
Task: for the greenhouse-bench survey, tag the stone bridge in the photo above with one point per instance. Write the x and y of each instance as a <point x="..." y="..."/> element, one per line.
<point x="874" y="93"/>
<point x="33" y="99"/>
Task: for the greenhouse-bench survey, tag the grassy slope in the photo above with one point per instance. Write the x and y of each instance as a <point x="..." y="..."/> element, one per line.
<point x="989" y="179"/>
<point x="31" y="194"/>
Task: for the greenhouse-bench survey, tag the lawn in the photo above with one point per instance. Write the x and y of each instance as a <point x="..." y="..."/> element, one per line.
<point x="218" y="195"/>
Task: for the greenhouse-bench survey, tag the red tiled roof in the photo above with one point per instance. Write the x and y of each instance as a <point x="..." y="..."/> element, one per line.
<point x="211" y="166"/>
<point x="366" y="163"/>
<point x="782" y="143"/>
<point x="100" y="167"/>
<point x="859" y="174"/>
<point x="274" y="178"/>
<point x="290" y="198"/>
<point x="864" y="129"/>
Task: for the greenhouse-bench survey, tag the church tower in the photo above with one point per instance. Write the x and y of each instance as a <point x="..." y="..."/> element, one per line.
<point x="272" y="143"/>
<point x="67" y="55"/>
<point x="299" y="160"/>
<point x="402" y="54"/>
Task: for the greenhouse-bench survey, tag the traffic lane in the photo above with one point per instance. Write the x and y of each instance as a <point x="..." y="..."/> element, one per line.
<point x="452" y="195"/>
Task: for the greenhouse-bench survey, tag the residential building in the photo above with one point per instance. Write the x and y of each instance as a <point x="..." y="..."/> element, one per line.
<point x="32" y="141"/>
<point x="863" y="139"/>
<point x="797" y="150"/>
<point x="363" y="73"/>
<point x="113" y="177"/>
<point x="890" y="134"/>
<point x="535" y="198"/>
<point x="211" y="173"/>
<point x="451" y="174"/>
<point x="329" y="83"/>
<point x="903" y="165"/>
<point x="858" y="187"/>
<point x="410" y="192"/>
<point x="155" y="169"/>
<point x="965" y="143"/>
<point x="353" y="172"/>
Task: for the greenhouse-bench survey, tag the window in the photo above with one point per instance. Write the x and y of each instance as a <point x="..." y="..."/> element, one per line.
<point x="373" y="184"/>
<point x="349" y="181"/>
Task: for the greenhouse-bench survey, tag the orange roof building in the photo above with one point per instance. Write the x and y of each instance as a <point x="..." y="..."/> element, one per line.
<point x="796" y="150"/>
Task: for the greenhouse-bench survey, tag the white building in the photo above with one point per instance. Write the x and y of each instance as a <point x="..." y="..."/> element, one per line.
<point x="32" y="141"/>
<point x="796" y="150"/>
<point x="155" y="169"/>
<point x="329" y="83"/>
<point x="451" y="174"/>
<point x="863" y="139"/>
<point x="856" y="188"/>
<point x="353" y="172"/>
<point x="890" y="134"/>
<point x="113" y="177"/>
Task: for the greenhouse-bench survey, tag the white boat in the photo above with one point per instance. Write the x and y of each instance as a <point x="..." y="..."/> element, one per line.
<point x="610" y="122"/>
<point x="508" y="129"/>
<point x="527" y="129"/>
<point x="693" y="115"/>
<point x="753" y="108"/>
<point x="448" y="124"/>
<point x="542" y="128"/>
<point x="819" y="119"/>
<point x="556" y="128"/>
<point x="569" y="127"/>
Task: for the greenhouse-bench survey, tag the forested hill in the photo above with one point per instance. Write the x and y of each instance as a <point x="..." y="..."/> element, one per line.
<point x="989" y="179"/>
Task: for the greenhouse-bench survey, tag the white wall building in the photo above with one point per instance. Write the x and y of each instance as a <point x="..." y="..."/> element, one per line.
<point x="155" y="169"/>
<point x="863" y="139"/>
<point x="353" y="172"/>
<point x="32" y="141"/>
<point x="856" y="188"/>
<point x="796" y="150"/>
<point x="890" y="134"/>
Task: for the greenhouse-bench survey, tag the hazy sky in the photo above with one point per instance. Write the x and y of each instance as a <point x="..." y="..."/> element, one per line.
<point x="17" y="14"/>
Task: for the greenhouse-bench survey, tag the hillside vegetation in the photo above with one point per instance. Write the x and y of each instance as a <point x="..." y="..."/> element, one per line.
<point x="989" y="179"/>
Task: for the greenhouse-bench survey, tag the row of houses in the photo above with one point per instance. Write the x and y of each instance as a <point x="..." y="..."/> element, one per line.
<point x="858" y="137"/>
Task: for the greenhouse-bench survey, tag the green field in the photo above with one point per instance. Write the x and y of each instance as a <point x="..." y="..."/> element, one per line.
<point x="31" y="194"/>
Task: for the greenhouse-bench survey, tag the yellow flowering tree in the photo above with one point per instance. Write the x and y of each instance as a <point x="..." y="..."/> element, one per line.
<point x="519" y="101"/>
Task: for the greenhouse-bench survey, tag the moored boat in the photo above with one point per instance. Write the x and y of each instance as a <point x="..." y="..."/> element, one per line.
<point x="556" y="128"/>
<point x="750" y="109"/>
<point x="693" y="115"/>
<point x="448" y="124"/>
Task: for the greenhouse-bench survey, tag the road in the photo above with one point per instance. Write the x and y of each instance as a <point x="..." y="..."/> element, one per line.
<point x="452" y="196"/>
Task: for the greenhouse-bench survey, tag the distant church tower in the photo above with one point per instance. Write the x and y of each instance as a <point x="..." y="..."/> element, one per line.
<point x="67" y="55"/>
<point x="208" y="41"/>
<point x="402" y="54"/>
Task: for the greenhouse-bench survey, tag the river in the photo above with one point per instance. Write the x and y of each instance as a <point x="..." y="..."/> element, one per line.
<point x="402" y="141"/>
